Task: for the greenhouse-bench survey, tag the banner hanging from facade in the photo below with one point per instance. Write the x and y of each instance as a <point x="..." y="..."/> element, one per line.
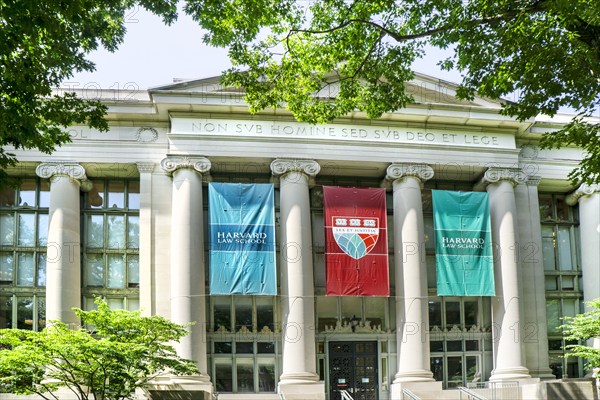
<point x="356" y="250"/>
<point x="464" y="253"/>
<point x="242" y="239"/>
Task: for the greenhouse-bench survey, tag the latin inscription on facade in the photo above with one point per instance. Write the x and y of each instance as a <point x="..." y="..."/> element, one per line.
<point x="337" y="132"/>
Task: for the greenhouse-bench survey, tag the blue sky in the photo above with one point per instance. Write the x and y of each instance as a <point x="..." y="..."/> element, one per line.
<point x="153" y="54"/>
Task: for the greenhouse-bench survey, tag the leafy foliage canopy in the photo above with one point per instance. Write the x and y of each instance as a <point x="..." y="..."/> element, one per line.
<point x="124" y="352"/>
<point x="357" y="54"/>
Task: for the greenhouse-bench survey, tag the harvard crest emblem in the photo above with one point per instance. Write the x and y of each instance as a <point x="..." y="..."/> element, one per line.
<point x="356" y="236"/>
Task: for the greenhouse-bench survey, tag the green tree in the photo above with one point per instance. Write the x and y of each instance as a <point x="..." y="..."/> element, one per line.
<point x="581" y="328"/>
<point x="43" y="43"/>
<point x="325" y="58"/>
<point x="124" y="352"/>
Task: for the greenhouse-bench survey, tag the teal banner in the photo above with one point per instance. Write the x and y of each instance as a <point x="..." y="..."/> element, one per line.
<point x="463" y="251"/>
<point x="242" y="238"/>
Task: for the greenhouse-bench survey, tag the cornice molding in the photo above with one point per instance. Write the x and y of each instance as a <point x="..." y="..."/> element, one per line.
<point x="583" y="190"/>
<point x="172" y="163"/>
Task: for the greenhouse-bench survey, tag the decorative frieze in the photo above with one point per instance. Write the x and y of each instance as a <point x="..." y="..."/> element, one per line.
<point x="172" y="163"/>
<point x="583" y="190"/>
<point x="354" y="327"/>
<point x="146" y="134"/>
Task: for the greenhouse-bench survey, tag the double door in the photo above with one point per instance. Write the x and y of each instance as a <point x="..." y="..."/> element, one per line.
<point x="353" y="368"/>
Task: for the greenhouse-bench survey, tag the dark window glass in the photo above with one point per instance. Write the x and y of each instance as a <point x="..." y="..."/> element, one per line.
<point x="25" y="313"/>
<point x="472" y="368"/>
<point x="244" y="347"/>
<point x="41" y="313"/>
<point x="222" y="314"/>
<point x="264" y="314"/>
<point x="222" y="347"/>
<point x="452" y="314"/>
<point x="455" y="371"/>
<point x="5" y="312"/>
<point x="454" y="345"/>
<point x="223" y="376"/>
<point x="472" y="345"/>
<point x="436" y="346"/>
<point x="266" y="376"/>
<point x="265" y="347"/>
<point x="435" y="313"/>
<point x="245" y="375"/>
<point x="471" y="313"/>
<point x="243" y="313"/>
<point x="555" y="344"/>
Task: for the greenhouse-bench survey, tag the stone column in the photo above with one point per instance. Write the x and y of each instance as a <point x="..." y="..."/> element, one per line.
<point x="412" y="320"/>
<point x="534" y="327"/>
<point x="146" y="281"/>
<point x="588" y="197"/>
<point x="506" y="320"/>
<point x="298" y="379"/>
<point x="188" y="301"/>
<point x="63" y="263"/>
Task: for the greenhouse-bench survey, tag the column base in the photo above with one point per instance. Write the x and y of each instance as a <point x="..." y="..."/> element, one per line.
<point x="183" y="384"/>
<point x="418" y="375"/>
<point x="301" y="386"/>
<point x="298" y="378"/>
<point x="510" y="374"/>
<point x="424" y="390"/>
<point x="543" y="374"/>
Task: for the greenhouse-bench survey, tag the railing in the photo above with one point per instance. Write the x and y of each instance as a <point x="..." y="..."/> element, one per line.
<point x="497" y="390"/>
<point x="345" y="395"/>
<point x="215" y="395"/>
<point x="281" y="396"/>
<point x="471" y="395"/>
<point x="409" y="394"/>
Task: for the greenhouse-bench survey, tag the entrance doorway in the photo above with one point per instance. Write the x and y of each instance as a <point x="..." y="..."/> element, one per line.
<point x="353" y="367"/>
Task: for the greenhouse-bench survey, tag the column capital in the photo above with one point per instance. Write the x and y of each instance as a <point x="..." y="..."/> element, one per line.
<point x="583" y="190"/>
<point x="533" y="180"/>
<point x="494" y="175"/>
<point x="145" y="166"/>
<point x="64" y="168"/>
<point x="282" y="166"/>
<point x="198" y="163"/>
<point x="422" y="172"/>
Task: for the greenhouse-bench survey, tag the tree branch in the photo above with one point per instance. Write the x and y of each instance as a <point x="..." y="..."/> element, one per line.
<point x="508" y="15"/>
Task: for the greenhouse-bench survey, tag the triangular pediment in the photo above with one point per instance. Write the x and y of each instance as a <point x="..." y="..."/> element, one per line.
<point x="425" y="89"/>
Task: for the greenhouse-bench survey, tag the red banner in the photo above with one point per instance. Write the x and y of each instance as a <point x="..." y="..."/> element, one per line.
<point x="356" y="250"/>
